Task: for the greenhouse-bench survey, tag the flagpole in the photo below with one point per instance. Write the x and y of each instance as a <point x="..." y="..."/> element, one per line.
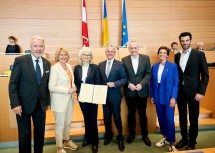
<point x="85" y="37"/>
<point x="124" y="25"/>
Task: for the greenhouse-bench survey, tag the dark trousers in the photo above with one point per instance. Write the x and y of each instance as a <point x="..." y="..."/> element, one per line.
<point x="193" y="108"/>
<point x="24" y="130"/>
<point x="90" y="112"/>
<point x="112" y="107"/>
<point x="139" y="103"/>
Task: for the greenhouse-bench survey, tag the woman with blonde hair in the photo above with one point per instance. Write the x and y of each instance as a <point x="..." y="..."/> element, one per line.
<point x="62" y="87"/>
<point x="86" y="72"/>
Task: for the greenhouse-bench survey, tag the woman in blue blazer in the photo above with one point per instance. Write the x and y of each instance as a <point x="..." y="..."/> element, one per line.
<point x="163" y="93"/>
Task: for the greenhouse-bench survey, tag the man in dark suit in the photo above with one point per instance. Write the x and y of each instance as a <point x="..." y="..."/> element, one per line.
<point x="193" y="81"/>
<point x="138" y="70"/>
<point x="113" y="74"/>
<point x="29" y="95"/>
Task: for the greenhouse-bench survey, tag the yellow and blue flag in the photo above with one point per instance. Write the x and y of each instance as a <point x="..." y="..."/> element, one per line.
<point x="105" y="32"/>
<point x="124" y="26"/>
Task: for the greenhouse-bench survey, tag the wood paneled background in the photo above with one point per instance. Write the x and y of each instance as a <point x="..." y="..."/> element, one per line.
<point x="151" y="22"/>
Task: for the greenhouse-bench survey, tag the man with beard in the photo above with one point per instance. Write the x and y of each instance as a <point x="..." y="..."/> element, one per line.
<point x="193" y="81"/>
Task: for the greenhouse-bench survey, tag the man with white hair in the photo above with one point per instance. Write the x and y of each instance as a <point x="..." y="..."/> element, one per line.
<point x="138" y="70"/>
<point x="29" y="95"/>
<point x="200" y="46"/>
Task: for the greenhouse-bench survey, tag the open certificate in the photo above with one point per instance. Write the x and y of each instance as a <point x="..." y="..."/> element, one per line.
<point x="96" y="94"/>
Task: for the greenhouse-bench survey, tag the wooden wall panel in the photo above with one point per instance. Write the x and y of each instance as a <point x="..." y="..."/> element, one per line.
<point x="152" y="23"/>
<point x="208" y="100"/>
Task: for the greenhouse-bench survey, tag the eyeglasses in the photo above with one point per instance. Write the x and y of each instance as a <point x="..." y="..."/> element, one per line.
<point x="88" y="55"/>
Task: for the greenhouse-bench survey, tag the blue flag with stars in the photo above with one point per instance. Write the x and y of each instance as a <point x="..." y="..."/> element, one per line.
<point x="124" y="26"/>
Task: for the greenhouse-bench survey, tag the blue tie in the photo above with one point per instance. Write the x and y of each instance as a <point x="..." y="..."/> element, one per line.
<point x="38" y="72"/>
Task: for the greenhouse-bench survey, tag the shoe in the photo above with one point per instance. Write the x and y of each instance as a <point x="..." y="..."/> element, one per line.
<point x="85" y="143"/>
<point x="130" y="138"/>
<point x="190" y="147"/>
<point x="172" y="149"/>
<point x="147" y="141"/>
<point x="181" y="144"/>
<point x="121" y="146"/>
<point x="61" y="151"/>
<point x="162" y="142"/>
<point x="107" y="141"/>
<point x="70" y="145"/>
<point x="95" y="149"/>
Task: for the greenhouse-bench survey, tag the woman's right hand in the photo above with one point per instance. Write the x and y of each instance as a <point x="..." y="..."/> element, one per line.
<point x="71" y="90"/>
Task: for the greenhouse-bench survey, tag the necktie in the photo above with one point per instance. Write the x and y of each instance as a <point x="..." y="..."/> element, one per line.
<point x="38" y="71"/>
<point x="108" y="69"/>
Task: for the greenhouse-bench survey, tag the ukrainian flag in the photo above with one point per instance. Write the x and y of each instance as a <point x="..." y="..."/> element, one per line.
<point x="124" y="26"/>
<point x="105" y="32"/>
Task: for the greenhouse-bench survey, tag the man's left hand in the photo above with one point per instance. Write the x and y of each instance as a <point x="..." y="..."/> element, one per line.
<point x="138" y="87"/>
<point x="110" y="84"/>
<point x="199" y="97"/>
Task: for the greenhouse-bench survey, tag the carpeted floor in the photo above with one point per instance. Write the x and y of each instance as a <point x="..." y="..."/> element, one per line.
<point x="206" y="139"/>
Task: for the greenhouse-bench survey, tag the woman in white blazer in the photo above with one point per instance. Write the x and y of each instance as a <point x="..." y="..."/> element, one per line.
<point x="62" y="87"/>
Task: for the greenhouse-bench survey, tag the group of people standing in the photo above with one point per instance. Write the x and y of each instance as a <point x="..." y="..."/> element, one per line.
<point x="183" y="83"/>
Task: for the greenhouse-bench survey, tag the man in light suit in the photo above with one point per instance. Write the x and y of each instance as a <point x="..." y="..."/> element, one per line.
<point x="193" y="81"/>
<point x="113" y="74"/>
<point x="138" y="70"/>
<point x="29" y="95"/>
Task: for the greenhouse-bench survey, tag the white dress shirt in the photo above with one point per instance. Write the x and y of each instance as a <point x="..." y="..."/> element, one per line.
<point x="160" y="71"/>
<point x="84" y="73"/>
<point x="184" y="59"/>
<point x="40" y="63"/>
<point x="135" y="63"/>
<point x="111" y="63"/>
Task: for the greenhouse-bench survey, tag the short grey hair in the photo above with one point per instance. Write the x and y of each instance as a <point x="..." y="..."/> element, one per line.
<point x="111" y="46"/>
<point x="85" y="49"/>
<point x="133" y="41"/>
<point x="38" y="38"/>
<point x="200" y="43"/>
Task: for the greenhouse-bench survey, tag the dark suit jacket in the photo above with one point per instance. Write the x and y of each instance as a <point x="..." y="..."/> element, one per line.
<point x="117" y="75"/>
<point x="23" y="87"/>
<point x="168" y="86"/>
<point x="142" y="76"/>
<point x="196" y="75"/>
<point x="92" y="76"/>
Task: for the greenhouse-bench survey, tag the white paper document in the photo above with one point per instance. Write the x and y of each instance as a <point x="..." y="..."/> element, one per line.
<point x="96" y="94"/>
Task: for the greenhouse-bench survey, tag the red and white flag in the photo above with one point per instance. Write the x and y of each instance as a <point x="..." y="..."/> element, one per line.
<point x="84" y="25"/>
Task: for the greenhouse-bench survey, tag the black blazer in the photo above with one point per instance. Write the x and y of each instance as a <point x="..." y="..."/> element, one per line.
<point x="92" y="76"/>
<point x="23" y="87"/>
<point x="142" y="76"/>
<point x="196" y="75"/>
<point x="117" y="75"/>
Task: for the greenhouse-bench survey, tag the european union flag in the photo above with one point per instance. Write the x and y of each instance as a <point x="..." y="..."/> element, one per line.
<point x="124" y="26"/>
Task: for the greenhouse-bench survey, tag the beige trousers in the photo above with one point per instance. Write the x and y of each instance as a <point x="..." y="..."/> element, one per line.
<point x="62" y="124"/>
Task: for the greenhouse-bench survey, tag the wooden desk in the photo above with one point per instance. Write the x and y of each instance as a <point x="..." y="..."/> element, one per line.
<point x="7" y="60"/>
<point x="208" y="100"/>
<point x="7" y="131"/>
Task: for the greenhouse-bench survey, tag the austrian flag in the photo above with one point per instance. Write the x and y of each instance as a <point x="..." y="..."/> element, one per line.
<point x="84" y="25"/>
